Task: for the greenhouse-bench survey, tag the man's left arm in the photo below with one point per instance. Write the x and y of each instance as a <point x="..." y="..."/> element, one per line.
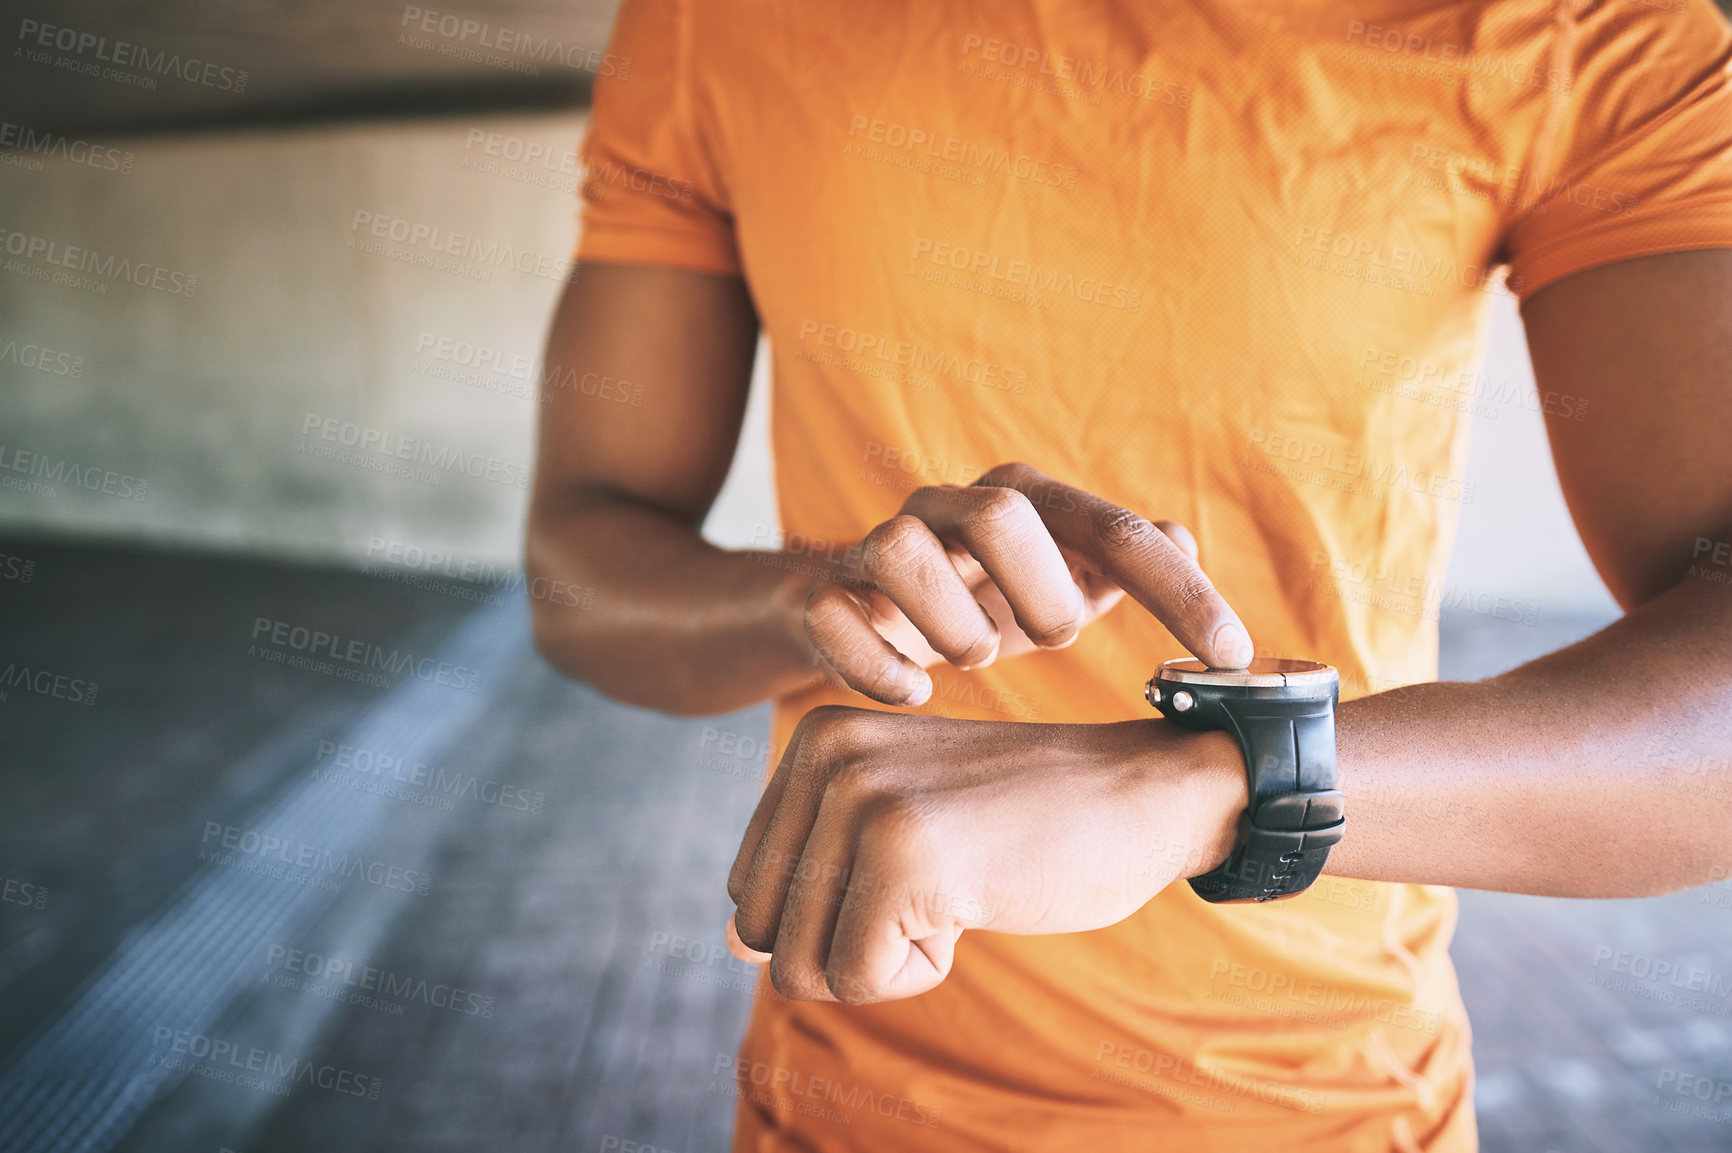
<point x="1603" y="769"/>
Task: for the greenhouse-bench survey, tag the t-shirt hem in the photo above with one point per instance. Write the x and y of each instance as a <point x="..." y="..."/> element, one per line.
<point x="1546" y="269"/>
<point x="658" y="249"/>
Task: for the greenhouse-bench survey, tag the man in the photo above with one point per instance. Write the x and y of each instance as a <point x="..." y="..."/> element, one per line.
<point x="1219" y="262"/>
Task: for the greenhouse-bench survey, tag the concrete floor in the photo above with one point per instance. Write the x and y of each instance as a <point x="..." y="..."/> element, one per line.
<point x="524" y="930"/>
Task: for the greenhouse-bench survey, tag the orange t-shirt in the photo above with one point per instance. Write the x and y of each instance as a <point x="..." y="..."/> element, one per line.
<point x="1220" y="261"/>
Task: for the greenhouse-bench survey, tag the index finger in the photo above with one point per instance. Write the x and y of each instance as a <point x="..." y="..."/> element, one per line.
<point x="1157" y="573"/>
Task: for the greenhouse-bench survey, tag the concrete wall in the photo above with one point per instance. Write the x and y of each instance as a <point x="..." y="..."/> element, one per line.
<point x="300" y="317"/>
<point x="304" y="324"/>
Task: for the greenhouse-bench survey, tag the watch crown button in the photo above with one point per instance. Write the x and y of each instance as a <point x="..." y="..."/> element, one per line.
<point x="1182" y="701"/>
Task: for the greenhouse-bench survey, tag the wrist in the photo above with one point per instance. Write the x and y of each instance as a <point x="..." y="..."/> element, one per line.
<point x="1222" y="795"/>
<point x="1195" y="793"/>
<point x="788" y="617"/>
<point x="802" y="577"/>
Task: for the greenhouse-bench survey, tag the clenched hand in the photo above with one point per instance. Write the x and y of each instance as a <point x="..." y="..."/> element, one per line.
<point x="1014" y="562"/>
<point x="882" y="836"/>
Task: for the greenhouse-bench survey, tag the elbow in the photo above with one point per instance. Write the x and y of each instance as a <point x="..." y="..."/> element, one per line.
<point x="563" y="628"/>
<point x="571" y="652"/>
<point x="556" y="643"/>
<point x="559" y="614"/>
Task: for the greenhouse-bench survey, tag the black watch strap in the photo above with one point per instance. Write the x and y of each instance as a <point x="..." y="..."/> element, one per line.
<point x="1295" y="812"/>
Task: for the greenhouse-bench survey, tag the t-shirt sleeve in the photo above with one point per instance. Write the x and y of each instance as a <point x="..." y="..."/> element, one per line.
<point x="651" y="190"/>
<point x="1639" y="159"/>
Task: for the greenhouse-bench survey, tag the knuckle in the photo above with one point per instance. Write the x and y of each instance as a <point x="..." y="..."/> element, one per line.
<point x="849" y="989"/>
<point x="827" y="717"/>
<point x="1009" y="474"/>
<point x="1193" y="588"/>
<point x="837" y="729"/>
<point x="1120" y="527"/>
<point x="896" y="543"/>
<point x="796" y="981"/>
<point x="855" y="779"/>
<point x="935" y="496"/>
<point x="826" y="611"/>
<point x="930" y="494"/>
<point x="754" y="932"/>
<point x="997" y="509"/>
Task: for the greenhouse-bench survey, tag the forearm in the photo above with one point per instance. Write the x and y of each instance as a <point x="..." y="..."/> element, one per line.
<point x="674" y="623"/>
<point x="1601" y="770"/>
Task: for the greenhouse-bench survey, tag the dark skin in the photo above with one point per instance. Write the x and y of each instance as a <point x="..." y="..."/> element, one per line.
<point x="881" y="837"/>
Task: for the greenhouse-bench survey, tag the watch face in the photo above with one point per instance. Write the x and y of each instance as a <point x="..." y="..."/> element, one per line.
<point x="1264" y="672"/>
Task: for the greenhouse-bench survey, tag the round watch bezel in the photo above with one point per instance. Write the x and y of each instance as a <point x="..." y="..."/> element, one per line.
<point x="1258" y="675"/>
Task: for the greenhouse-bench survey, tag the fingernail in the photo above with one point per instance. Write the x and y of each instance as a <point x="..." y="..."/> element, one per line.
<point x="982" y="662"/>
<point x="1232" y="645"/>
<point x="921" y="692"/>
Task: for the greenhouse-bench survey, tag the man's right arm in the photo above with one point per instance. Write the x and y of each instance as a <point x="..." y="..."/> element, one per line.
<point x="621" y="490"/>
<point x="966" y="574"/>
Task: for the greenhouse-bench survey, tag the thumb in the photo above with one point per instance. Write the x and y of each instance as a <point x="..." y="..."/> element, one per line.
<point x="740" y="949"/>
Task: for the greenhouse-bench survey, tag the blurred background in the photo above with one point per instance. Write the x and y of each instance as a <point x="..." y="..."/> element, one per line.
<point x="281" y="772"/>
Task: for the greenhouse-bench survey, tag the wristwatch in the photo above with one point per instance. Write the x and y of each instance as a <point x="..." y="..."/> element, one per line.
<point x="1283" y="714"/>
